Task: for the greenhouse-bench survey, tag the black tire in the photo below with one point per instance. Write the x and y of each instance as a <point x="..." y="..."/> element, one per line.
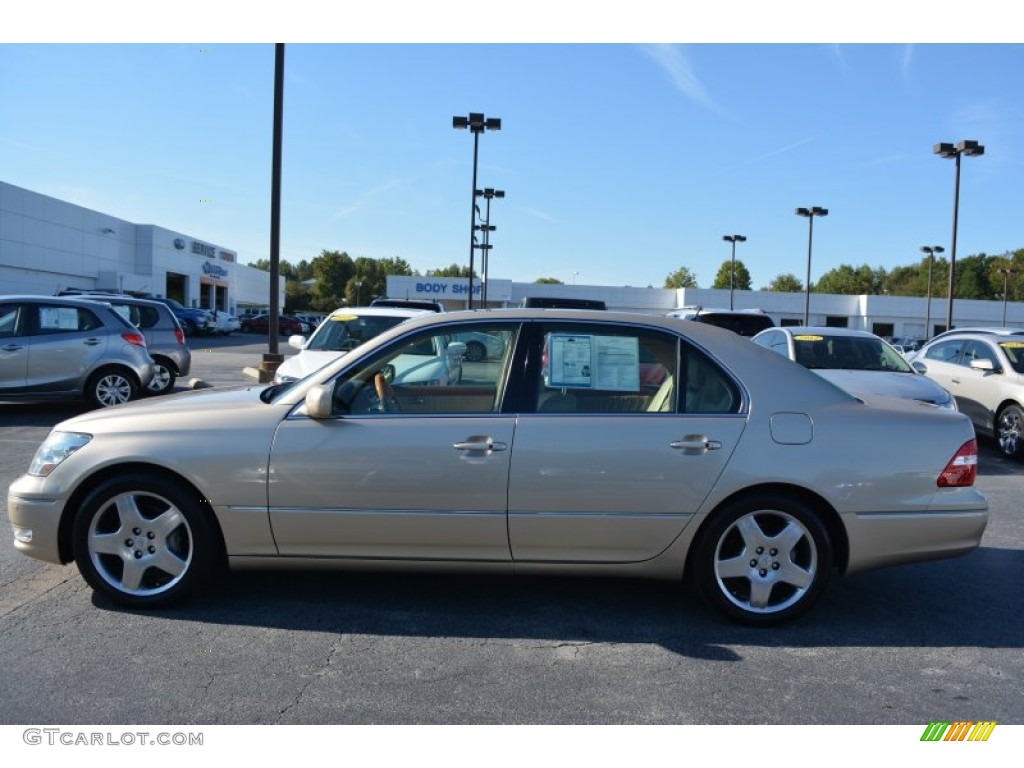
<point x="163" y="378"/>
<point x="475" y="352"/>
<point x="739" y="572"/>
<point x="111" y="386"/>
<point x="1010" y="431"/>
<point x="152" y="525"/>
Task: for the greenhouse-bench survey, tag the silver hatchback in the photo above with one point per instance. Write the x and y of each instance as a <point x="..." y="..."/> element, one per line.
<point x="165" y="338"/>
<point x="54" y="347"/>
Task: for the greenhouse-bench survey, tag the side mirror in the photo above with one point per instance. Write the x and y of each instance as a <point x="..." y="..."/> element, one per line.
<point x="298" y="341"/>
<point x="457" y="348"/>
<point x="919" y="367"/>
<point x="319" y="402"/>
<point x="979" y="364"/>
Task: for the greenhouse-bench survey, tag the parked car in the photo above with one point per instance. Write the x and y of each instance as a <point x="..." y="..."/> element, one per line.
<point x="860" y="362"/>
<point x="561" y="302"/>
<point x="165" y="339"/>
<point x="482" y="346"/>
<point x="225" y="324"/>
<point x="997" y="330"/>
<point x="429" y="306"/>
<point x="985" y="373"/>
<point x="195" y="322"/>
<point x="742" y="473"/>
<point x="344" y="330"/>
<point x="60" y="347"/>
<point x="286" y="325"/>
<point x="745" y="322"/>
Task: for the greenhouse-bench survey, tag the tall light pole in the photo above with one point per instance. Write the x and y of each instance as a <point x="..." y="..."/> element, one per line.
<point x="477" y="124"/>
<point x="931" y="250"/>
<point x="1005" y="272"/>
<point x="947" y="151"/>
<point x="732" y="274"/>
<point x="487" y="194"/>
<point x="809" y="214"/>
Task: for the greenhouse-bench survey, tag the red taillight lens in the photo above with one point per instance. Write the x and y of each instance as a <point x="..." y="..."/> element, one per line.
<point x="134" y="338"/>
<point x="180" y="336"/>
<point x="962" y="468"/>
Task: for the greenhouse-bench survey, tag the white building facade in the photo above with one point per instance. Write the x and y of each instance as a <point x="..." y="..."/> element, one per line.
<point x="49" y="245"/>
<point x="887" y="316"/>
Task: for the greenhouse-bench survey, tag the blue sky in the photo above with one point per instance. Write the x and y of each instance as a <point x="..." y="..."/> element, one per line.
<point x="621" y="162"/>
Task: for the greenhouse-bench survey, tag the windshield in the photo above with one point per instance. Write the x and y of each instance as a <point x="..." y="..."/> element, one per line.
<point x="1014" y="353"/>
<point x="341" y="333"/>
<point x="854" y="353"/>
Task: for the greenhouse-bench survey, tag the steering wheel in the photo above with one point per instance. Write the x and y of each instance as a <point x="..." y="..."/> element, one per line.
<point x="385" y="392"/>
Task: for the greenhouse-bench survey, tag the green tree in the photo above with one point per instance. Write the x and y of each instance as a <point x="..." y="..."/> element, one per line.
<point x="722" y="279"/>
<point x="681" y="278"/>
<point x="452" y="270"/>
<point x="332" y="270"/>
<point x="548" y="281"/>
<point x="851" y="281"/>
<point x="787" y="283"/>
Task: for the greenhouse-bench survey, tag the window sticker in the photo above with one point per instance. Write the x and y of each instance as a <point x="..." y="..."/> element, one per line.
<point x="1012" y="344"/>
<point x="343" y="318"/>
<point x="808" y="337"/>
<point x="58" y="318"/>
<point x="584" y="361"/>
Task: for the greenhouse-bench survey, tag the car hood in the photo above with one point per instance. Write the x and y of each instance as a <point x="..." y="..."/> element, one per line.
<point x="910" y="386"/>
<point x="205" y="410"/>
<point x="307" y="361"/>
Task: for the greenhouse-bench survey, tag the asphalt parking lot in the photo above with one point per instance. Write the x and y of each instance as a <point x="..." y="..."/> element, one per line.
<point x="906" y="645"/>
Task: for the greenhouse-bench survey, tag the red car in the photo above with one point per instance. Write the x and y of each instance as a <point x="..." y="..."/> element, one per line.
<point x="286" y="325"/>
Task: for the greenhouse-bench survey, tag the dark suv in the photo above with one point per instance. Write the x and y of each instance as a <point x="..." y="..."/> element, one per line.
<point x="745" y="322"/>
<point x="164" y="336"/>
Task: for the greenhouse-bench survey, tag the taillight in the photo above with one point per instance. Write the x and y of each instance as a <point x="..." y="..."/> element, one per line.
<point x="962" y="468"/>
<point x="134" y="338"/>
<point x="179" y="335"/>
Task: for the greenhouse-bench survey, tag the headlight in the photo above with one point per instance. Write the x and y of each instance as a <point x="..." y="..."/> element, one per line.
<point x="55" y="448"/>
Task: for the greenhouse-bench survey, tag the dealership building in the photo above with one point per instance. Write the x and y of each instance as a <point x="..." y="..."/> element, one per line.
<point x="49" y="245"/>
<point x="887" y="316"/>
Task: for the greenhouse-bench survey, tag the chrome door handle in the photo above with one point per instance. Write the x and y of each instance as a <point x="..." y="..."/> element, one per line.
<point x="695" y="444"/>
<point x="480" y="444"/>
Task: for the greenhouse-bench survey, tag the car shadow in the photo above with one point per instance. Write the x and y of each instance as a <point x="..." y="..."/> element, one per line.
<point x="964" y="602"/>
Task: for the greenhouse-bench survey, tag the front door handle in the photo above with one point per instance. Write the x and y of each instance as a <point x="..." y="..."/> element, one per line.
<point x="693" y="444"/>
<point x="480" y="443"/>
<point x="92" y="342"/>
<point x="12" y="348"/>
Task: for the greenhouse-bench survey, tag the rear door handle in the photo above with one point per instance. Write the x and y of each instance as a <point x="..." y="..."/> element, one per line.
<point x="92" y="342"/>
<point x="480" y="443"/>
<point x="692" y="444"/>
<point x="12" y="347"/>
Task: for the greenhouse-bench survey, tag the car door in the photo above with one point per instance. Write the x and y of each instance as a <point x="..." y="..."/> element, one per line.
<point x="66" y="343"/>
<point x="414" y="469"/>
<point x="14" y="347"/>
<point x="623" y="432"/>
<point x="978" y="392"/>
<point x="940" y="363"/>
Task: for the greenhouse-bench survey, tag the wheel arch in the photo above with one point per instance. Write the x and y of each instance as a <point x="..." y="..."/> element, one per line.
<point x="826" y="512"/>
<point x="78" y="496"/>
<point x="166" y="361"/>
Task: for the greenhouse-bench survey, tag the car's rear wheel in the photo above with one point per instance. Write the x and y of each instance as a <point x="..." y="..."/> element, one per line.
<point x="163" y="378"/>
<point x="475" y="352"/>
<point x="1010" y="431"/>
<point x="111" y="386"/>
<point x="763" y="560"/>
<point x="143" y="542"/>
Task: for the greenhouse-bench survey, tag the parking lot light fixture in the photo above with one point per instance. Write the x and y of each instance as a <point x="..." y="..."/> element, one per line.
<point x="488" y="194"/>
<point x="477" y="123"/>
<point x="946" y="151"/>
<point x="809" y="214"/>
<point x="1005" y="272"/>
<point x="931" y="250"/>
<point x="732" y="274"/>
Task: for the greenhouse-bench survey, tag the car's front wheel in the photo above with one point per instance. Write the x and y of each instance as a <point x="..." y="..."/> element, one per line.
<point x="111" y="386"/>
<point x="1010" y="431"/>
<point x="475" y="352"/>
<point x="763" y="560"/>
<point x="163" y="378"/>
<point x="143" y="542"/>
